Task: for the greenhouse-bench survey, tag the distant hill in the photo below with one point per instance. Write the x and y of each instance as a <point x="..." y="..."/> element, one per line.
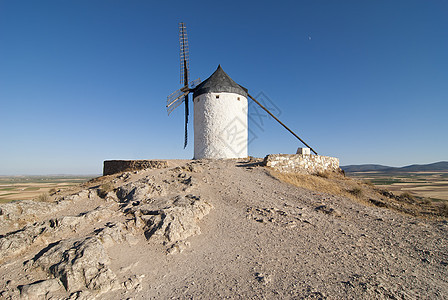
<point x="364" y="168"/>
<point x="438" y="166"/>
<point x="434" y="167"/>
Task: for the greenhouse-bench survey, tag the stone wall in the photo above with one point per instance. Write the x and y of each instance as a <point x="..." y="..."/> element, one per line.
<point x="117" y="166"/>
<point x="300" y="163"/>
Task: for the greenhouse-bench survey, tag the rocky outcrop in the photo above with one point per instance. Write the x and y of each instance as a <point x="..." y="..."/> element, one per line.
<point x="18" y="213"/>
<point x="15" y="243"/>
<point x="138" y="191"/>
<point x="173" y="219"/>
<point x="72" y="248"/>
<point x="40" y="288"/>
<point x="79" y="264"/>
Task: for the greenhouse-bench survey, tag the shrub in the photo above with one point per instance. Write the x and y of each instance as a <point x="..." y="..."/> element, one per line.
<point x="407" y="196"/>
<point x="357" y="192"/>
<point x="105" y="188"/>
<point x="444" y="209"/>
<point x="44" y="197"/>
<point x="368" y="182"/>
<point x="426" y="200"/>
<point x="322" y="174"/>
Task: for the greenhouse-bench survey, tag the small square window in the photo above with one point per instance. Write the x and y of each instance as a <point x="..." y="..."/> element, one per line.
<point x="238" y="98"/>
<point x="217" y="96"/>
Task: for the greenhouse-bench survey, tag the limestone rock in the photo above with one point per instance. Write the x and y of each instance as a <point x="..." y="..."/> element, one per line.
<point x="78" y="196"/>
<point x="133" y="282"/>
<point x="191" y="167"/>
<point x="17" y="214"/>
<point x="81" y="295"/>
<point x="114" y="233"/>
<point x="174" y="219"/>
<point x="15" y="243"/>
<point x="328" y="210"/>
<point x="178" y="247"/>
<point x="79" y="264"/>
<point x="136" y="191"/>
<point x="40" y="288"/>
<point x="23" y="212"/>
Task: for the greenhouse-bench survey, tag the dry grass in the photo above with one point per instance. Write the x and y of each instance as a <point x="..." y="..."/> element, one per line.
<point x="360" y="191"/>
<point x="322" y="182"/>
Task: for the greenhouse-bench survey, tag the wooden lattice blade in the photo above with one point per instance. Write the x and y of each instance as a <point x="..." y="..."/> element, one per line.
<point x="194" y="83"/>
<point x="175" y="95"/>
<point x="175" y="105"/>
<point x="175" y="99"/>
<point x="184" y="54"/>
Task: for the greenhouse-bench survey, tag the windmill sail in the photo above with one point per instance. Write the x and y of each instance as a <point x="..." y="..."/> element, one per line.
<point x="184" y="54"/>
<point x="175" y="99"/>
<point x="181" y="95"/>
<point x="185" y="69"/>
<point x="194" y="83"/>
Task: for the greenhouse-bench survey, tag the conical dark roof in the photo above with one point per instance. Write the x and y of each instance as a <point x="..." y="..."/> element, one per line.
<point x="219" y="82"/>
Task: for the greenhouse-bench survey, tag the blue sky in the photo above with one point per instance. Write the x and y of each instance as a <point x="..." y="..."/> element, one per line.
<point x="85" y="81"/>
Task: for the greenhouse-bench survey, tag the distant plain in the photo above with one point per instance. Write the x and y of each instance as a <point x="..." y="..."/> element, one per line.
<point x="30" y="187"/>
<point x="429" y="184"/>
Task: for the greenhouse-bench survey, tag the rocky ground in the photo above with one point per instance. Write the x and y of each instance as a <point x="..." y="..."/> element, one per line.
<point x="217" y="229"/>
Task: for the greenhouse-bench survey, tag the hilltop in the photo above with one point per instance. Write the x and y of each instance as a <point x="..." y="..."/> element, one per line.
<point x="223" y="228"/>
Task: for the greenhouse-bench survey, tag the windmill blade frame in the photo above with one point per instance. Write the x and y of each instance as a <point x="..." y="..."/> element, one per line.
<point x="184" y="54"/>
<point x="176" y="98"/>
<point x="195" y="83"/>
<point x="175" y="104"/>
<point x="175" y="95"/>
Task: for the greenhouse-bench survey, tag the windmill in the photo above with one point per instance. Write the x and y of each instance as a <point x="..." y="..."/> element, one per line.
<point x="181" y="95"/>
<point x="220" y="110"/>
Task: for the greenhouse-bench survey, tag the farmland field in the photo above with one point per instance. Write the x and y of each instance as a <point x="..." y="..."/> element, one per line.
<point x="30" y="187"/>
<point x="432" y="185"/>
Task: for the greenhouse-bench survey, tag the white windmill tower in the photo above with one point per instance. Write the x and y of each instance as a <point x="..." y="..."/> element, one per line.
<point x="220" y="111"/>
<point x="220" y="118"/>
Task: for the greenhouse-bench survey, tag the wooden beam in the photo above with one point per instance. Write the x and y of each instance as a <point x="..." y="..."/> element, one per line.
<point x="280" y="122"/>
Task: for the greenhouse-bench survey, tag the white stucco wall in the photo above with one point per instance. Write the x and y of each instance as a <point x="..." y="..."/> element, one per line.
<point x="220" y="126"/>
